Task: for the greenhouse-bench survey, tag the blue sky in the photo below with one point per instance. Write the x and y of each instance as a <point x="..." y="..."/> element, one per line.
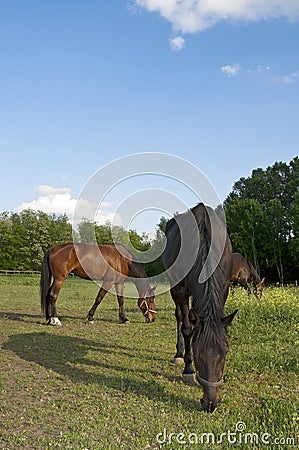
<point x="84" y="83"/>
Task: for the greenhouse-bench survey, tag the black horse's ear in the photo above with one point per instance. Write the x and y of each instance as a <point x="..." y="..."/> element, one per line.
<point x="193" y="318"/>
<point x="227" y="321"/>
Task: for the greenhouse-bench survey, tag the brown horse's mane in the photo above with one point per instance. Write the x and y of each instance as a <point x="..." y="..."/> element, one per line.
<point x="140" y="277"/>
<point x="255" y="276"/>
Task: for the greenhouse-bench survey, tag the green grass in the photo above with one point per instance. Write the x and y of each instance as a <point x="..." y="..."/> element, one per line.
<point x="112" y="386"/>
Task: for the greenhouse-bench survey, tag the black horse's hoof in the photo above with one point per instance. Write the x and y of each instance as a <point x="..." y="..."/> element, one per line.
<point x="189" y="378"/>
<point x="178" y="361"/>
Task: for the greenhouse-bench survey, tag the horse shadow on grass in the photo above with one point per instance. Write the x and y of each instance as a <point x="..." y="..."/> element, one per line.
<point x="67" y="356"/>
<point x="40" y="319"/>
<point x="21" y="317"/>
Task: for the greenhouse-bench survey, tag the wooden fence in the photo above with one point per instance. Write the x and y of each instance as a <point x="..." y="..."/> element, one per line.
<point x="19" y="272"/>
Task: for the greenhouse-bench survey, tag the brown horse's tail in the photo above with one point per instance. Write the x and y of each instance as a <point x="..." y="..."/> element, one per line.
<point x="45" y="281"/>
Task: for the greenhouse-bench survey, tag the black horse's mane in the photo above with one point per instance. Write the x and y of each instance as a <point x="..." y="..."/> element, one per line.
<point x="207" y="297"/>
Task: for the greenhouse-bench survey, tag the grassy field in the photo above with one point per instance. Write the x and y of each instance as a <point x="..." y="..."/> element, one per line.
<point x="111" y="386"/>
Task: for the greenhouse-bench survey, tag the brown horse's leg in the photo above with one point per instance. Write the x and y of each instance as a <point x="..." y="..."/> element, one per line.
<point x="120" y="297"/>
<point x="51" y="312"/>
<point x="232" y="288"/>
<point x="244" y="283"/>
<point x="101" y="294"/>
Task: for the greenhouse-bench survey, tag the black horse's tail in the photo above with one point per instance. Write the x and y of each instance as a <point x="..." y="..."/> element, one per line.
<point x="45" y="281"/>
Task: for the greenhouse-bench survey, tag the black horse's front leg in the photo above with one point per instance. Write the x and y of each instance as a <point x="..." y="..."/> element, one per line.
<point x="180" y="345"/>
<point x="188" y="373"/>
<point x="184" y="331"/>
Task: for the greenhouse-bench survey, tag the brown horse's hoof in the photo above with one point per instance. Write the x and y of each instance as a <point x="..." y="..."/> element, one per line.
<point x="178" y="361"/>
<point x="124" y="321"/>
<point x="54" y="321"/>
<point x="90" y="320"/>
<point x="188" y="378"/>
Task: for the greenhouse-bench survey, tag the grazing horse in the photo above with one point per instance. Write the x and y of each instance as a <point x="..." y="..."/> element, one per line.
<point x="244" y="272"/>
<point x="198" y="262"/>
<point x="111" y="263"/>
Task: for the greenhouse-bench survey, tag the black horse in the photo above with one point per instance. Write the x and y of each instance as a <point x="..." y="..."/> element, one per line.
<point x="198" y="260"/>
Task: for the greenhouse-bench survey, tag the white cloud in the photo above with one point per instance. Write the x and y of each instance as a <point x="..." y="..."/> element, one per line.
<point x="190" y="16"/>
<point x="177" y="43"/>
<point x="289" y="79"/>
<point x="44" y="190"/>
<point x="60" y="201"/>
<point x="51" y="200"/>
<point x="262" y="69"/>
<point x="231" y="70"/>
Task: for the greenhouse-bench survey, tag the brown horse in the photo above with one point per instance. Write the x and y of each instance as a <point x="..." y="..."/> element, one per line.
<point x="112" y="264"/>
<point x="244" y="272"/>
<point x="198" y="261"/>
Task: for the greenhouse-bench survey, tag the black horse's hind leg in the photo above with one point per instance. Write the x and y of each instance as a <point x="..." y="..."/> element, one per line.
<point x="101" y="294"/>
<point x="120" y="297"/>
<point x="178" y="296"/>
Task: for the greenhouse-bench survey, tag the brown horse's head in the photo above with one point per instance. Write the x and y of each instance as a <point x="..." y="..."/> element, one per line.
<point x="259" y="288"/>
<point x="210" y="346"/>
<point x="147" y="305"/>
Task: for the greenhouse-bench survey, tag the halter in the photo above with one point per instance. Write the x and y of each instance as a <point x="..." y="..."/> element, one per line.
<point x="207" y="383"/>
<point x="147" y="308"/>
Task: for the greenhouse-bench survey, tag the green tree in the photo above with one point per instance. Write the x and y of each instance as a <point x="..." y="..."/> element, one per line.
<point x="86" y="231"/>
<point x="244" y="218"/>
<point x="262" y="216"/>
<point x="6" y="241"/>
<point x="25" y="237"/>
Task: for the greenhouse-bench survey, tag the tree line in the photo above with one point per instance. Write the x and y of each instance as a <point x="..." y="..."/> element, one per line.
<point x="26" y="236"/>
<point x="262" y="217"/>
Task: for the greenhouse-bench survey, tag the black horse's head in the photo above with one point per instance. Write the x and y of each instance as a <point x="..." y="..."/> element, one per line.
<point x="210" y="346"/>
<point x="147" y="305"/>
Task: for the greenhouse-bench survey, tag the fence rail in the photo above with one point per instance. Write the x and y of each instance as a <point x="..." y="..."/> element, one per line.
<point x="19" y="272"/>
